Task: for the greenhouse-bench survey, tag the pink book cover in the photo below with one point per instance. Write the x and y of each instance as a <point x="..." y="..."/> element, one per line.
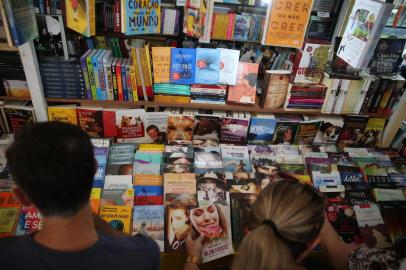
<point x="245" y="89"/>
<point x="230" y="27"/>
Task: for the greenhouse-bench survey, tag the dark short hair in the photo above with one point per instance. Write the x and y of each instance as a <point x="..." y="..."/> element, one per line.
<point x="251" y="78"/>
<point x="54" y="165"/>
<point x="151" y="127"/>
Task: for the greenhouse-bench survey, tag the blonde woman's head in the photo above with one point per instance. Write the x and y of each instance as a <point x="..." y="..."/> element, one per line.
<point x="285" y="223"/>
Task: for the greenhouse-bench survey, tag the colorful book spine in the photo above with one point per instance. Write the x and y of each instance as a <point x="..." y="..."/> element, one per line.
<point x="124" y="79"/>
<point x="108" y="78"/>
<point x="120" y="95"/>
<point x="83" y="66"/>
<point x="114" y="78"/>
<point x="100" y="71"/>
<point x="96" y="94"/>
<point x="133" y="83"/>
<point x="92" y="80"/>
<point x="128" y="78"/>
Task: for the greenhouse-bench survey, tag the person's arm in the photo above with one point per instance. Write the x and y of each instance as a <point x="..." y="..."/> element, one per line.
<point x="336" y="250"/>
<point x="104" y="227"/>
<point x="193" y="248"/>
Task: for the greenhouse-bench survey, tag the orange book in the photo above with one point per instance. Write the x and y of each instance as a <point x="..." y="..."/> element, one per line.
<point x="245" y="89"/>
<point x="161" y="63"/>
<point x="148" y="180"/>
<point x="288" y="23"/>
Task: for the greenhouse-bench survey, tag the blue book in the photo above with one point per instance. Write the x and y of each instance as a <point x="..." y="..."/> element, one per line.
<point x="242" y="27"/>
<point x="207" y="66"/>
<point x="183" y="66"/>
<point x="100" y="71"/>
<point x="142" y="19"/>
<point x="148" y="190"/>
<point x="124" y="79"/>
<point x="261" y="130"/>
<point x="95" y="66"/>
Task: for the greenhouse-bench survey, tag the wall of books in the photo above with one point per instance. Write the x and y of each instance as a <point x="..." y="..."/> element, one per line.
<point x="196" y="105"/>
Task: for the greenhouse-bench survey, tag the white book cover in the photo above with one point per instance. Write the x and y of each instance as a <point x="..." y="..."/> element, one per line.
<point x="341" y="97"/>
<point x="361" y="28"/>
<point x="332" y="96"/>
<point x="208" y="19"/>
<point x="229" y="66"/>
<point x="169" y="27"/>
<point x="118" y="182"/>
<point x="368" y="216"/>
<point x="130" y="125"/>
<point x="155" y="124"/>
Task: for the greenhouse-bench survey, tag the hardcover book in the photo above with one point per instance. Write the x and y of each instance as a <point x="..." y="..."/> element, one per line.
<point x="149" y="220"/>
<point x="359" y="197"/>
<point x="183" y="63"/>
<point x="330" y="130"/>
<point x="207" y="66"/>
<point x="276" y="88"/>
<point x="208" y="159"/>
<point x="373" y="132"/>
<point x="342" y="218"/>
<point x="246" y="87"/>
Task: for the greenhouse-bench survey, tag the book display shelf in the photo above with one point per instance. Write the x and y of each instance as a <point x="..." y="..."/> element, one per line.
<point x="231" y="86"/>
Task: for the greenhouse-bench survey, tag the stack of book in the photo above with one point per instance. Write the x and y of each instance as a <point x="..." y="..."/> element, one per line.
<point x="305" y="96"/>
<point x="210" y="94"/>
<point x="166" y="92"/>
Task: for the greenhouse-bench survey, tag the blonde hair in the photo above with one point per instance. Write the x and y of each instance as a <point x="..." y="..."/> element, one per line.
<point x="297" y="211"/>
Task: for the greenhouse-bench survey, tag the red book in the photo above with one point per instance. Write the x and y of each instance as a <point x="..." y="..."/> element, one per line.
<point x="91" y="121"/>
<point x="149" y="200"/>
<point x="109" y="123"/>
<point x="245" y="89"/>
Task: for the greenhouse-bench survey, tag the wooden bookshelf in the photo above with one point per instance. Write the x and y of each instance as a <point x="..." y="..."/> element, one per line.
<point x="146" y="36"/>
<point x="228" y="107"/>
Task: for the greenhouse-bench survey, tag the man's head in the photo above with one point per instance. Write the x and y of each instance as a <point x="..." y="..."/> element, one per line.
<point x="53" y="165"/>
<point x="153" y="132"/>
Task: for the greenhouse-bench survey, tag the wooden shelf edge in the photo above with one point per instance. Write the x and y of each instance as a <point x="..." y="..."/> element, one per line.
<point x="228" y="107"/>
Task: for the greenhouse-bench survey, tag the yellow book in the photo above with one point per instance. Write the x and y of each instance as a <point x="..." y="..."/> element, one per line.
<point x="148" y="180"/>
<point x="65" y="114"/>
<point x="8" y="220"/>
<point x="95" y="205"/>
<point x="147" y="65"/>
<point x="119" y="217"/>
<point x="161" y="63"/>
<point x="134" y="82"/>
<point x="80" y="16"/>
<point x="374" y="132"/>
<point x="288" y="23"/>
<point x="151" y="147"/>
<point x="168" y="98"/>
<point x="95" y="193"/>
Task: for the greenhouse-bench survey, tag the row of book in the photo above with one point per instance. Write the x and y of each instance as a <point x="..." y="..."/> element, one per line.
<point x="209" y="128"/>
<point x="365" y="191"/>
<point x="107" y="13"/>
<point x="231" y="26"/>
